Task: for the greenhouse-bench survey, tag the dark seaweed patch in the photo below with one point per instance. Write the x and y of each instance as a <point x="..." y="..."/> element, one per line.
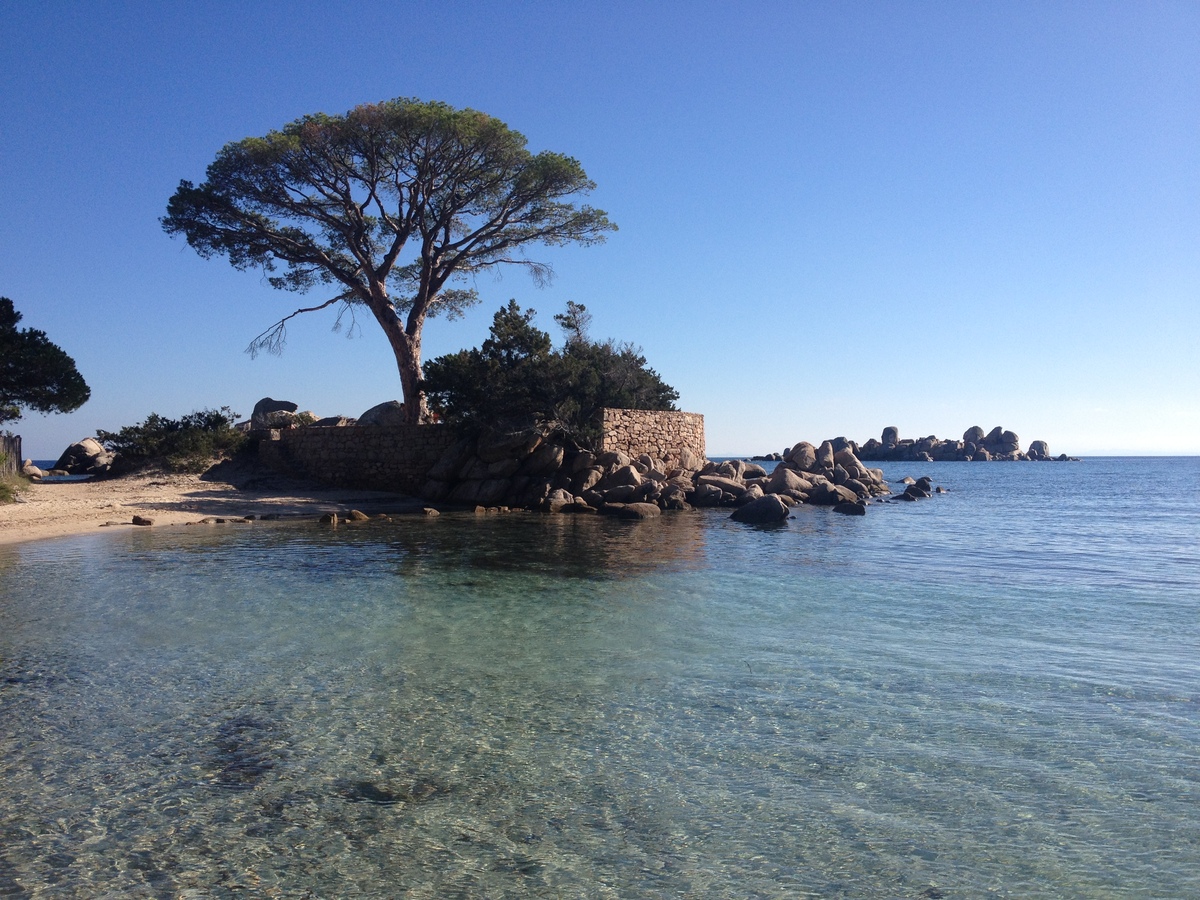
<point x="386" y="795"/>
<point x="367" y="792"/>
<point x="242" y="753"/>
<point x="518" y="865"/>
<point x="10" y="888"/>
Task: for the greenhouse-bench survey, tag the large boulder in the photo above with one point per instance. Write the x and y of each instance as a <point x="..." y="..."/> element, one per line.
<point x="803" y="456"/>
<point x="826" y="494"/>
<point x="784" y="481"/>
<point x="612" y="460"/>
<point x="890" y="436"/>
<point x="584" y="459"/>
<point x="689" y="460"/>
<point x="674" y="497"/>
<point x="265" y="410"/>
<point x="639" y="511"/>
<point x="545" y="460"/>
<point x="586" y="479"/>
<point x="558" y="500"/>
<point x="86" y="457"/>
<point x="1039" y="450"/>
<point x="973" y="435"/>
<point x="752" y="493"/>
<point x="825" y="455"/>
<point x="720" y="481"/>
<point x="732" y="468"/>
<point x="764" y="510"/>
<point x="497" y="444"/>
<point x="851" y="509"/>
<point x="389" y="413"/>
<point x="848" y="461"/>
<point x="453" y="461"/>
<point x="621" y="493"/>
<point x="626" y="475"/>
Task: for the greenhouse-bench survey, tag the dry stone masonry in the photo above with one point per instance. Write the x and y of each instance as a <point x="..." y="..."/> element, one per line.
<point x="379" y="457"/>
<point x="673" y="437"/>
<point x="647" y="462"/>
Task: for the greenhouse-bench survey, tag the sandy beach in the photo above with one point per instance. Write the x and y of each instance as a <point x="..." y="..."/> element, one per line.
<point x="57" y="509"/>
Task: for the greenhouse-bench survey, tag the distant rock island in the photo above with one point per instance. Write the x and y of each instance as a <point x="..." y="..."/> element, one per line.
<point x="976" y="445"/>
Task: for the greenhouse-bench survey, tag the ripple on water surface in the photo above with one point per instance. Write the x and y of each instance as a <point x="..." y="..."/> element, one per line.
<point x="952" y="698"/>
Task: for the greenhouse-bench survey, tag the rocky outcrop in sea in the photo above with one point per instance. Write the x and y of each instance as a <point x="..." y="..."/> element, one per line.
<point x="976" y="445"/>
<point x="543" y="470"/>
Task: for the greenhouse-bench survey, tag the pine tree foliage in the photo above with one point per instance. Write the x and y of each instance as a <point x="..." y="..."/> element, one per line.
<point x="390" y="210"/>
<point x="34" y="372"/>
<point x="517" y="377"/>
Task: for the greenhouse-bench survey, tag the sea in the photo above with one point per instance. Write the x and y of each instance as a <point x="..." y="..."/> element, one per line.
<point x="991" y="692"/>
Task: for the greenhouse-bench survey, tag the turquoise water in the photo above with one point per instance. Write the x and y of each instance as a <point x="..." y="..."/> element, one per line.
<point x="992" y="692"/>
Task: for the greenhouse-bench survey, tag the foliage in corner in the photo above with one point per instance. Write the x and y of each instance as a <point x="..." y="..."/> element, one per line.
<point x="517" y="377"/>
<point x="34" y="372"/>
<point x="190" y="444"/>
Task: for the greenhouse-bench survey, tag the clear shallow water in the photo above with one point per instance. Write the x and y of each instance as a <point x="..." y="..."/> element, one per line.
<point x="993" y="692"/>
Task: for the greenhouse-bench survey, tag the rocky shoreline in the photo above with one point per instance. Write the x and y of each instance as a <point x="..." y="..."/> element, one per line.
<point x="543" y="469"/>
<point x="535" y="469"/>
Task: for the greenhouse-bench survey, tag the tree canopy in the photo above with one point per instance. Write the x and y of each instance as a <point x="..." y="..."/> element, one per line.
<point x="387" y="208"/>
<point x="517" y="377"/>
<point x="34" y="373"/>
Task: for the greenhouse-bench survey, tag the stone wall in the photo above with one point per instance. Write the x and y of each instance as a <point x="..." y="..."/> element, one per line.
<point x="10" y="455"/>
<point x="375" y="457"/>
<point x="663" y="435"/>
<point x="399" y="457"/>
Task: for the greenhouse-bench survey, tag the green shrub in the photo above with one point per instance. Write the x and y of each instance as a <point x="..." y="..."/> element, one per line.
<point x="189" y="444"/>
<point x="517" y="377"/>
<point x="10" y="487"/>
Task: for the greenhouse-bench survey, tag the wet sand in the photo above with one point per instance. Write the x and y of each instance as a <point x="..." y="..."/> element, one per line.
<point x="56" y="509"/>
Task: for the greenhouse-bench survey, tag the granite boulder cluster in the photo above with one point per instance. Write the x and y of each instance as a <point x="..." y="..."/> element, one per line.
<point x="282" y="414"/>
<point x="537" y="469"/>
<point x="543" y="469"/>
<point x="830" y="474"/>
<point x="976" y="445"/>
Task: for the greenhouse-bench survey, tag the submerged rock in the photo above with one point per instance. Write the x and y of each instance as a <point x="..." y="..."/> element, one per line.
<point x="852" y="509"/>
<point x="768" y="508"/>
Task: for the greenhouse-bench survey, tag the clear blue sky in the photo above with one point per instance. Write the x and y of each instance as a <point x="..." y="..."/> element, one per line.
<point x="834" y="217"/>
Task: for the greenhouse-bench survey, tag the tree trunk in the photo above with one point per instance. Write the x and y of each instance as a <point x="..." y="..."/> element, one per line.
<point x="407" y="349"/>
<point x="416" y="412"/>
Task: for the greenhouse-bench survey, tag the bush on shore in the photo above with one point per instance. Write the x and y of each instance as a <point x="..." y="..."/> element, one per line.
<point x="517" y="377"/>
<point x="11" y="485"/>
<point x="189" y="444"/>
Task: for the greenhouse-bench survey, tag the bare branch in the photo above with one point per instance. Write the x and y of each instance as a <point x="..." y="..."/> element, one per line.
<point x="273" y="339"/>
<point x="348" y="308"/>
